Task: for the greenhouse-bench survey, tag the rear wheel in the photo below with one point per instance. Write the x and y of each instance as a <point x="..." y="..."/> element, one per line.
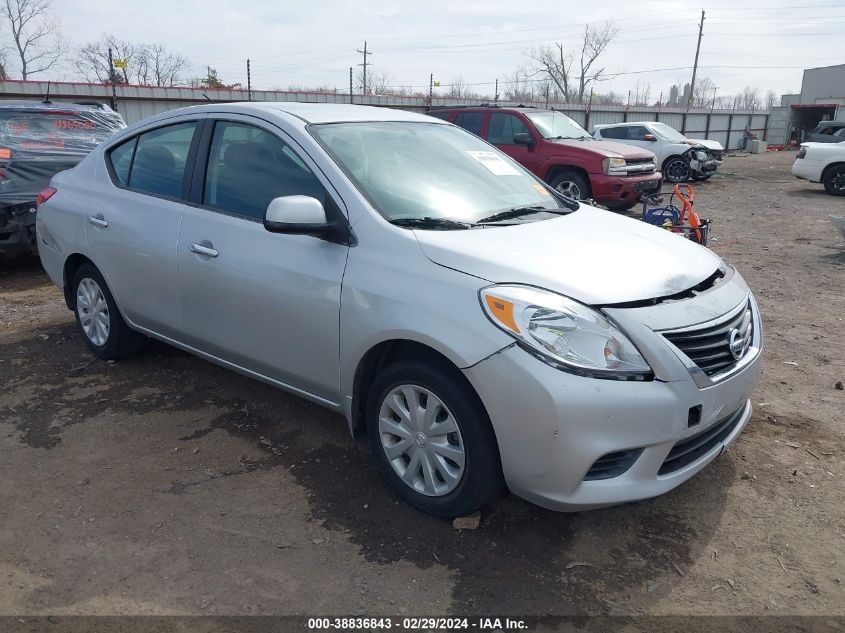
<point x="103" y="328"/>
<point x="834" y="180"/>
<point x="432" y="439"/>
<point x="572" y="184"/>
<point x="676" y="169"/>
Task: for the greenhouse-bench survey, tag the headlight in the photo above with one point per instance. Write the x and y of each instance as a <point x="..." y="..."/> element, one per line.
<point x="614" y="165"/>
<point x="701" y="155"/>
<point x="562" y="332"/>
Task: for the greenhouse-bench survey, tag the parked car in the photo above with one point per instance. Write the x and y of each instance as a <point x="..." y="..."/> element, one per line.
<point x="479" y="326"/>
<point x="562" y="153"/>
<point x="824" y="163"/>
<point x="680" y="159"/>
<point x="37" y="140"/>
<point x="827" y="132"/>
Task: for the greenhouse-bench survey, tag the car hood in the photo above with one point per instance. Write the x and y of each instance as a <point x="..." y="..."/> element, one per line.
<point x="714" y="145"/>
<point x="593" y="256"/>
<point x="608" y="149"/>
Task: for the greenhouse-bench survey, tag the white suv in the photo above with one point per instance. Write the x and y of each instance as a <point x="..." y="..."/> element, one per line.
<point x="824" y="163"/>
<point x="671" y="148"/>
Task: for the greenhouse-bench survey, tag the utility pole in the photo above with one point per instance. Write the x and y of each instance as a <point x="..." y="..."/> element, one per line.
<point x="695" y="65"/>
<point x="496" y="93"/>
<point x="113" y="85"/>
<point x="430" y="90"/>
<point x="350" y="85"/>
<point x="248" y="82"/>
<point x="365" y="52"/>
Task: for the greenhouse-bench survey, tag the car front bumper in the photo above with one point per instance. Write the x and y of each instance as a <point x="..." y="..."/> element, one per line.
<point x="623" y="190"/>
<point x="553" y="426"/>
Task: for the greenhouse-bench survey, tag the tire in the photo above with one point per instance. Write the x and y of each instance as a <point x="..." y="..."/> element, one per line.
<point x="676" y="169"/>
<point x="473" y="454"/>
<point x="834" y="180"/>
<point x="570" y="182"/>
<point x="100" y="322"/>
<point x="624" y="207"/>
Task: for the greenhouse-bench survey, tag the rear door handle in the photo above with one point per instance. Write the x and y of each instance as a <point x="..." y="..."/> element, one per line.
<point x="98" y="220"/>
<point x="201" y="249"/>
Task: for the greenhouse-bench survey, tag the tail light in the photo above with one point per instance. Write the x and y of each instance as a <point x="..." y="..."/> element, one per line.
<point x="44" y="196"/>
<point x="802" y="152"/>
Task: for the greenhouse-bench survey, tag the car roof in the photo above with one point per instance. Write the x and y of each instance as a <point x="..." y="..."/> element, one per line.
<point x="312" y="112"/>
<point x="605" y="125"/>
<point x="494" y="108"/>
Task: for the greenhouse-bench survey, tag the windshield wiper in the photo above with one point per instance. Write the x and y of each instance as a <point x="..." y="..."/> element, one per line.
<point x="444" y="224"/>
<point x="517" y="212"/>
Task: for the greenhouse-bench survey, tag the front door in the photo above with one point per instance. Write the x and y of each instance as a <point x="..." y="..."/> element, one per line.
<point x="267" y="302"/>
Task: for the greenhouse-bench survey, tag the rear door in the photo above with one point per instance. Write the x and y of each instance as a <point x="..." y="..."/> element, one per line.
<point x="501" y="129"/>
<point x="133" y="223"/>
<point x="267" y="302"/>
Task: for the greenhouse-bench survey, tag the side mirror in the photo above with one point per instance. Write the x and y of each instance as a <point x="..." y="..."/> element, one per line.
<point x="523" y="138"/>
<point x="650" y="137"/>
<point x="302" y="215"/>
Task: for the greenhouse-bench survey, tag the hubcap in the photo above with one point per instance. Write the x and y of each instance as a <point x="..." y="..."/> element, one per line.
<point x="839" y="181"/>
<point x="421" y="440"/>
<point x="93" y="311"/>
<point x="677" y="171"/>
<point x="569" y="189"/>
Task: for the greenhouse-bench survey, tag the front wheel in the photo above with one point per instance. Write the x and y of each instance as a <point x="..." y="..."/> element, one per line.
<point x="572" y="185"/>
<point x="676" y="169"/>
<point x="432" y="439"/>
<point x="834" y="180"/>
<point x="103" y="328"/>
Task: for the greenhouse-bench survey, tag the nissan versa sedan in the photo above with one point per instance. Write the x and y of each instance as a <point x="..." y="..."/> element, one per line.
<point x="481" y="328"/>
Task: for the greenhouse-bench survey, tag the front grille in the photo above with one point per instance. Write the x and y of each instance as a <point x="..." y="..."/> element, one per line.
<point x="689" y="450"/>
<point x="612" y="464"/>
<point x="710" y="347"/>
<point x="639" y="166"/>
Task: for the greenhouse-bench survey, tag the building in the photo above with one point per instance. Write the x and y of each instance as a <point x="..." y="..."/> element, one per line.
<point x="822" y="98"/>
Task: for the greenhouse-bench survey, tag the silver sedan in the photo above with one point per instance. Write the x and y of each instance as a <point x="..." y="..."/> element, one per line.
<point x="482" y="329"/>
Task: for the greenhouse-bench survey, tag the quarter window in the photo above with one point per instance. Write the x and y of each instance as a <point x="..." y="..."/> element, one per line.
<point x="503" y="127"/>
<point x="470" y="121"/>
<point x="121" y="160"/>
<point x="158" y="166"/>
<point x="248" y="167"/>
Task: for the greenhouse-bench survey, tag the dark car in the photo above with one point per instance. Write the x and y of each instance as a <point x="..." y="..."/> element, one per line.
<point x="827" y="132"/>
<point x="562" y="153"/>
<point x="38" y="140"/>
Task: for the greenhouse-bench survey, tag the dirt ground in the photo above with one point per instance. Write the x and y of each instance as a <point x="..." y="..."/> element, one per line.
<point x="163" y="484"/>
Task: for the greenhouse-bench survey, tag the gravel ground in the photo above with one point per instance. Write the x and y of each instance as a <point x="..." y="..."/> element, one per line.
<point x="163" y="484"/>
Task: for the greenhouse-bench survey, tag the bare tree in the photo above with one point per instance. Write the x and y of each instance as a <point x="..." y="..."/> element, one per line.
<point x="641" y="95"/>
<point x="36" y="35"/>
<point x="459" y="88"/>
<point x="519" y="86"/>
<point x="557" y="62"/>
<point x="147" y="64"/>
<point x="702" y="94"/>
<point x="771" y="99"/>
<point x="750" y="98"/>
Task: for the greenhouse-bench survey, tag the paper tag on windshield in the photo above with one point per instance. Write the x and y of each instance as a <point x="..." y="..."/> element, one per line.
<point x="495" y="163"/>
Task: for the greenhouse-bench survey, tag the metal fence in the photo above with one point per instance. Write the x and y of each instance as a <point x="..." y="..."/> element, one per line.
<point x="138" y="102"/>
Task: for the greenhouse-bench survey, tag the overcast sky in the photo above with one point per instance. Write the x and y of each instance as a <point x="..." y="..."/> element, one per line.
<point x="746" y="42"/>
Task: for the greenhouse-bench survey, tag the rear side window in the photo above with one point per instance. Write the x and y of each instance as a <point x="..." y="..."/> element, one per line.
<point x="121" y="160"/>
<point x="614" y="132"/>
<point x="470" y="121"/>
<point x="160" y="157"/>
<point x="248" y="167"/>
<point x="503" y="127"/>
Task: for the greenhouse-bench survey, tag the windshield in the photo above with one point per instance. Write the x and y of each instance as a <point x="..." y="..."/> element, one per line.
<point x="668" y="132"/>
<point x="556" y="125"/>
<point x="430" y="170"/>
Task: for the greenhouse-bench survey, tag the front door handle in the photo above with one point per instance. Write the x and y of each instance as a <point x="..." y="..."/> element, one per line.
<point x="202" y="249"/>
<point x="98" y="220"/>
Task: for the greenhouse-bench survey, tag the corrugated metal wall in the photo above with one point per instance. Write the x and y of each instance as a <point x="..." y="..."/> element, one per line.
<point x="138" y="102"/>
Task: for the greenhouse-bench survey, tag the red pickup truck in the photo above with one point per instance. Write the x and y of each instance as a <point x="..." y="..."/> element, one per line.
<point x="562" y="153"/>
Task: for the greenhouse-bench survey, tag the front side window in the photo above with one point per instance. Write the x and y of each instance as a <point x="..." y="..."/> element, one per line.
<point x="503" y="127"/>
<point x="668" y="132"/>
<point x="158" y="166"/>
<point x="249" y="166"/>
<point x="429" y="170"/>
<point x="637" y="133"/>
<point x="470" y="121"/>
